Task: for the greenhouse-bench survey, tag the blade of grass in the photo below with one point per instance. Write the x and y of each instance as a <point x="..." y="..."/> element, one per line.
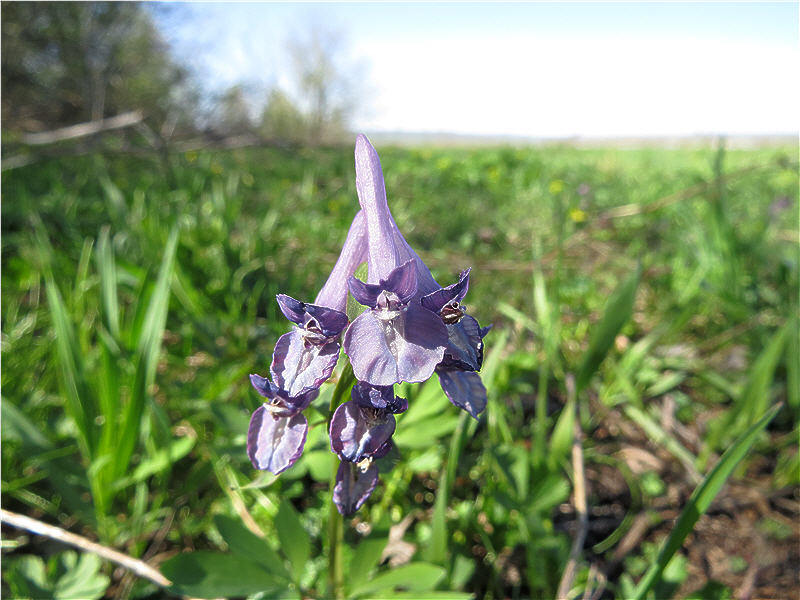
<point x="616" y="314"/>
<point x="147" y="352"/>
<point x="80" y="402"/>
<point x="700" y="500"/>
<point x="107" y="268"/>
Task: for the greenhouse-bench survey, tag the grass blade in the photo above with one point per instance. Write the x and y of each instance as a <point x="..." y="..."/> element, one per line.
<point x="80" y="403"/>
<point x="701" y="499"/>
<point x="617" y="312"/>
<point x="108" y="282"/>
<point x="147" y="350"/>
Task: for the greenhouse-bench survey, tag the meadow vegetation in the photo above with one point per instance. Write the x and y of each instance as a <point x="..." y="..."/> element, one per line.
<point x="644" y="304"/>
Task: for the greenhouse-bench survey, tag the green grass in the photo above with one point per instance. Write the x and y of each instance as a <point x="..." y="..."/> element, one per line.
<point x="138" y="295"/>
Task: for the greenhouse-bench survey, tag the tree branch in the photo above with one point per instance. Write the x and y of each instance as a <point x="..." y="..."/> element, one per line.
<point x="83" y="129"/>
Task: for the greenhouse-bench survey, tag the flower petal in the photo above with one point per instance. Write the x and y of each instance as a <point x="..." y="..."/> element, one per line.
<point x="275" y="443"/>
<point x="264" y="386"/>
<point x="382" y="255"/>
<point x="354" y="252"/>
<point x="331" y="322"/>
<point x="378" y="396"/>
<point x="436" y="301"/>
<point x="353" y="486"/>
<point x="406" y="348"/>
<point x="464" y="345"/>
<point x="402" y="282"/>
<point x="298" y="368"/>
<point x="292" y="309"/>
<point x="358" y="432"/>
<point x="464" y="389"/>
<point x="425" y="281"/>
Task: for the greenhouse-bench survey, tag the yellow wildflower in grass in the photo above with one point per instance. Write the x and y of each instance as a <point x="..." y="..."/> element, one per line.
<point x="556" y="186"/>
<point x="577" y="215"/>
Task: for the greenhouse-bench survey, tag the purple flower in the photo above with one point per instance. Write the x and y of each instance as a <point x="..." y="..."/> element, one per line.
<point x="354" y="252"/>
<point x="360" y="432"/>
<point x="362" y="427"/>
<point x="396" y="339"/>
<point x="305" y="357"/>
<point x="278" y="430"/>
<point x="463" y="355"/>
<point x="354" y="484"/>
<point x="302" y="361"/>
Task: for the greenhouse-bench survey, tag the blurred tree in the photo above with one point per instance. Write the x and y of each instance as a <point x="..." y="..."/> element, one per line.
<point x="324" y="83"/>
<point x="281" y="119"/>
<point x="233" y="112"/>
<point x="68" y="62"/>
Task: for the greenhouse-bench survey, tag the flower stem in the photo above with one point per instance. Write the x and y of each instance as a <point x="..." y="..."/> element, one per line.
<point x="335" y="541"/>
<point x="335" y="520"/>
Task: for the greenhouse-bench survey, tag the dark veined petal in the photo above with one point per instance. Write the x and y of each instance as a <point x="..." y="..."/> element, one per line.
<point x="464" y="389"/>
<point x="275" y="443"/>
<point x="264" y="386"/>
<point x="281" y="403"/>
<point x="329" y="321"/>
<point x="358" y="432"/>
<point x="383" y="450"/>
<point x="298" y="367"/>
<point x="378" y="396"/>
<point x="402" y="282"/>
<point x="292" y="309"/>
<point x="353" y="486"/>
<point x="437" y="300"/>
<point x="365" y="294"/>
<point x="354" y="252"/>
<point x="464" y="345"/>
<point x="382" y="255"/>
<point x="405" y="348"/>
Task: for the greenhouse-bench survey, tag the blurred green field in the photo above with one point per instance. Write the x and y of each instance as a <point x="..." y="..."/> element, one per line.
<point x="138" y="293"/>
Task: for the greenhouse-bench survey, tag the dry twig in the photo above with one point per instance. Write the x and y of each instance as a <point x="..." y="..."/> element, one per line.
<point x="579" y="482"/>
<point x="141" y="568"/>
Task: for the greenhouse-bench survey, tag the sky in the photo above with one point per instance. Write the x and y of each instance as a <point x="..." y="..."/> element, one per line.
<point x="540" y="70"/>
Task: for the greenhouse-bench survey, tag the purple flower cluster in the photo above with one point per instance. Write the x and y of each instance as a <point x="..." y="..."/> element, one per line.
<point x="411" y="327"/>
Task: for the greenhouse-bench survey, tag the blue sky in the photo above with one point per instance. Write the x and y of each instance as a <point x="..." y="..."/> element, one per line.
<point x="532" y="69"/>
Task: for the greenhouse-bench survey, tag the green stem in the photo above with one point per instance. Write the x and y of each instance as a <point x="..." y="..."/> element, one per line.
<point x="335" y="541"/>
<point x="335" y="520"/>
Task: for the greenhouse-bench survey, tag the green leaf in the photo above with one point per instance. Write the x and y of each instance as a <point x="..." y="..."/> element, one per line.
<point x="107" y="268"/>
<point x="148" y="348"/>
<point x="413" y="577"/>
<point x="363" y="560"/>
<point x="755" y="396"/>
<point x="247" y="544"/>
<point x="434" y="595"/>
<point x="16" y="426"/>
<point x="217" y="575"/>
<point x="294" y="541"/>
<point x="80" y="402"/>
<point x="700" y="500"/>
<point x="561" y="439"/>
<point x="423" y="433"/>
<point x="617" y="312"/>
<point x="26" y="576"/>
<point x="157" y="462"/>
<point x="83" y="580"/>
